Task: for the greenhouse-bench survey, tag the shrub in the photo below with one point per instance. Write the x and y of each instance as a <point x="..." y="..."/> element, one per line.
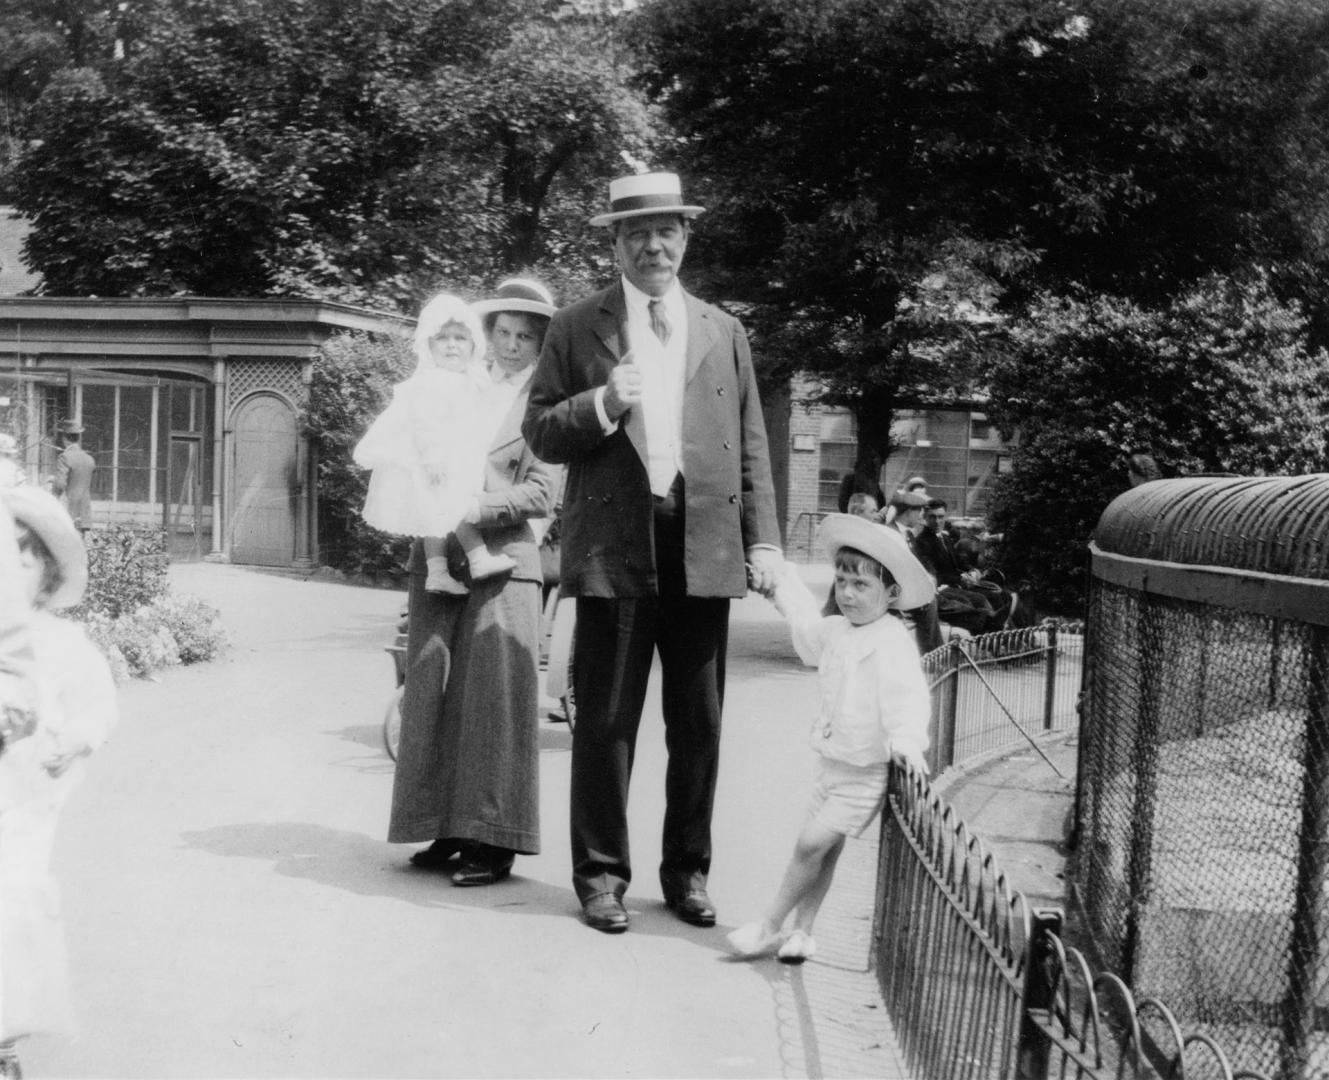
<point x="194" y="625"/>
<point x="126" y="568"/>
<point x="352" y="383"/>
<point x="1221" y="379"/>
<point x="171" y="630"/>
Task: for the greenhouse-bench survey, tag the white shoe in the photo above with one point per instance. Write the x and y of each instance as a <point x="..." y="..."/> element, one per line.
<point x="484" y="565"/>
<point x="753" y="940"/>
<point x="797" y="947"/>
<point x="438" y="580"/>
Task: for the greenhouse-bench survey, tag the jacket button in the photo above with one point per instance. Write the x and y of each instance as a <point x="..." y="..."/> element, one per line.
<point x="733" y="498"/>
<point x="720" y="390"/>
<point x="728" y="445"/>
<point x="607" y="498"/>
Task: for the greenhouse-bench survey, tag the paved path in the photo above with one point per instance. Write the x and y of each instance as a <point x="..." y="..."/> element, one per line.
<point x="233" y="910"/>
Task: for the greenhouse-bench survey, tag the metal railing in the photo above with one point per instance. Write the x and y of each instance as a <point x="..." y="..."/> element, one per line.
<point x="997" y="691"/>
<point x="980" y="986"/>
<point x="801" y="536"/>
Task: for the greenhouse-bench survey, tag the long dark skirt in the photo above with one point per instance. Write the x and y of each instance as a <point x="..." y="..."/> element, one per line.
<point x="468" y="762"/>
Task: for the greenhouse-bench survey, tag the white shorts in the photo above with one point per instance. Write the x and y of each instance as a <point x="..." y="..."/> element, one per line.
<point x="846" y="798"/>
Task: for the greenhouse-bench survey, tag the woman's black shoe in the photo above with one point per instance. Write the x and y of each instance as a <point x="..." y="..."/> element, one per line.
<point x="437" y="855"/>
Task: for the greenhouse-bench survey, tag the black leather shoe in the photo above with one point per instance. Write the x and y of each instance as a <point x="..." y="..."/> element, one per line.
<point x="481" y="873"/>
<point x="605" y="913"/>
<point x="693" y="907"/>
<point x="437" y="855"/>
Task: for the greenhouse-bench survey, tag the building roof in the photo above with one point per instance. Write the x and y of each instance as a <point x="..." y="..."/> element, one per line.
<point x="86" y="330"/>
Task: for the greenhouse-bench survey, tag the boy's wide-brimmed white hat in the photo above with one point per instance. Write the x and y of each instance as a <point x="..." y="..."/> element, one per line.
<point x="516" y="294"/>
<point x="887" y="546"/>
<point x="46" y="516"/>
<point x="645" y="193"/>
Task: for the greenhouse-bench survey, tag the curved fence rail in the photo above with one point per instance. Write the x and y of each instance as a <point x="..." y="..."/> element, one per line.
<point x="997" y="691"/>
<point x="980" y="986"/>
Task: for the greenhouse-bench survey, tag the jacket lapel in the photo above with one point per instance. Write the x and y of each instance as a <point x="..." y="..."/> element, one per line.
<point x="701" y="334"/>
<point x="509" y="429"/>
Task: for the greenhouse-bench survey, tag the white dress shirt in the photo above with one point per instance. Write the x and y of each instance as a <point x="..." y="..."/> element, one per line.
<point x="663" y="369"/>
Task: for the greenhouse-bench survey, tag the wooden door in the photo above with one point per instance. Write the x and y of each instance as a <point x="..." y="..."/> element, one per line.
<point x="264" y="483"/>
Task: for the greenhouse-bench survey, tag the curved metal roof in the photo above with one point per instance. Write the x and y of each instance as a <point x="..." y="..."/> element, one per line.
<point x="1273" y="525"/>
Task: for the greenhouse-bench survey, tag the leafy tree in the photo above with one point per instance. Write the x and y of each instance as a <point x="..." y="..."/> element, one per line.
<point x="891" y="179"/>
<point x="1221" y="379"/>
<point x="362" y="150"/>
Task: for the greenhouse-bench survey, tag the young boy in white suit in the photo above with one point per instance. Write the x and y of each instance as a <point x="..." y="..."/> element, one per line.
<point x="873" y="706"/>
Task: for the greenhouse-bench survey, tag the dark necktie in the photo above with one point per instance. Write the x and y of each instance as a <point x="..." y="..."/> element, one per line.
<point x="658" y="321"/>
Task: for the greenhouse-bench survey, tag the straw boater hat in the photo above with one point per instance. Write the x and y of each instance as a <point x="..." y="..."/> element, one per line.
<point x="515" y="294"/>
<point x="908" y="500"/>
<point x="885" y="545"/>
<point x="645" y="193"/>
<point x="70" y="427"/>
<point x="46" y="516"/>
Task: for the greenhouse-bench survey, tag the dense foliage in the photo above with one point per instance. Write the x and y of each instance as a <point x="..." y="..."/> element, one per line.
<point x="891" y="179"/>
<point x="360" y="150"/>
<point x="129" y="611"/>
<point x="1220" y="379"/>
<point x="352" y="383"/>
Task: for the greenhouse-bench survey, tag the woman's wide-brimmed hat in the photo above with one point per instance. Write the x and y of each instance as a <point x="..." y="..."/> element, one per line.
<point x="645" y="193"/>
<point x="516" y="294"/>
<point x="46" y="516"/>
<point x="885" y="545"/>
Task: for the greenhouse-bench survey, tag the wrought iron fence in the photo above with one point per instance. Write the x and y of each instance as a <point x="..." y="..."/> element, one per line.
<point x="995" y="691"/>
<point x="981" y="987"/>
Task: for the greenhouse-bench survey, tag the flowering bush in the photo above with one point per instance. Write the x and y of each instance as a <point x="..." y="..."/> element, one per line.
<point x="170" y="630"/>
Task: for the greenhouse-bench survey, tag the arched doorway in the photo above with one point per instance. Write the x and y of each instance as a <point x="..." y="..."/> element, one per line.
<point x="265" y="482"/>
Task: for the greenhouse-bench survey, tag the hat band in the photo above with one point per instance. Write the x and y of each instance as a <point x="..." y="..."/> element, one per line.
<point x="519" y="292"/>
<point x="631" y="203"/>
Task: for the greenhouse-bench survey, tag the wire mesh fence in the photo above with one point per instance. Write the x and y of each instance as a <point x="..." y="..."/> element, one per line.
<point x="1203" y="808"/>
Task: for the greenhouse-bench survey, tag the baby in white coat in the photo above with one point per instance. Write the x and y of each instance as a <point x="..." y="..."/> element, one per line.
<point x="427" y="448"/>
<point x="874" y="706"/>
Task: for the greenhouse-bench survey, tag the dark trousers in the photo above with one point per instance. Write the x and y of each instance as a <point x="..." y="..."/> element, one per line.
<point x="615" y="644"/>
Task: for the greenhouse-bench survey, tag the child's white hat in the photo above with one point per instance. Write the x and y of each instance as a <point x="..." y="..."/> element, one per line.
<point x="887" y="546"/>
<point x="46" y="516"/>
<point x="443" y="309"/>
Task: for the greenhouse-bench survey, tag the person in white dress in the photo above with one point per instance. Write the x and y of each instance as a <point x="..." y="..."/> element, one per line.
<point x="67" y="712"/>
<point x="426" y="450"/>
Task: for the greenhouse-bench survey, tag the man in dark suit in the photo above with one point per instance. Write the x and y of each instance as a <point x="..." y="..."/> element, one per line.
<point x="963" y="597"/>
<point x="73" y="474"/>
<point x="648" y="396"/>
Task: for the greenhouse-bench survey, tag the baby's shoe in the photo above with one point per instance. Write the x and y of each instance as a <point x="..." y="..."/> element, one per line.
<point x="439" y="580"/>
<point x="484" y="565"/>
<point x="797" y="947"/>
<point x="752" y="941"/>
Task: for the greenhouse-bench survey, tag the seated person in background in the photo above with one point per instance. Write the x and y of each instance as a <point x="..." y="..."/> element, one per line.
<point x="861" y="504"/>
<point x="963" y="598"/>
<point x="905" y="514"/>
<point x="858" y="483"/>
